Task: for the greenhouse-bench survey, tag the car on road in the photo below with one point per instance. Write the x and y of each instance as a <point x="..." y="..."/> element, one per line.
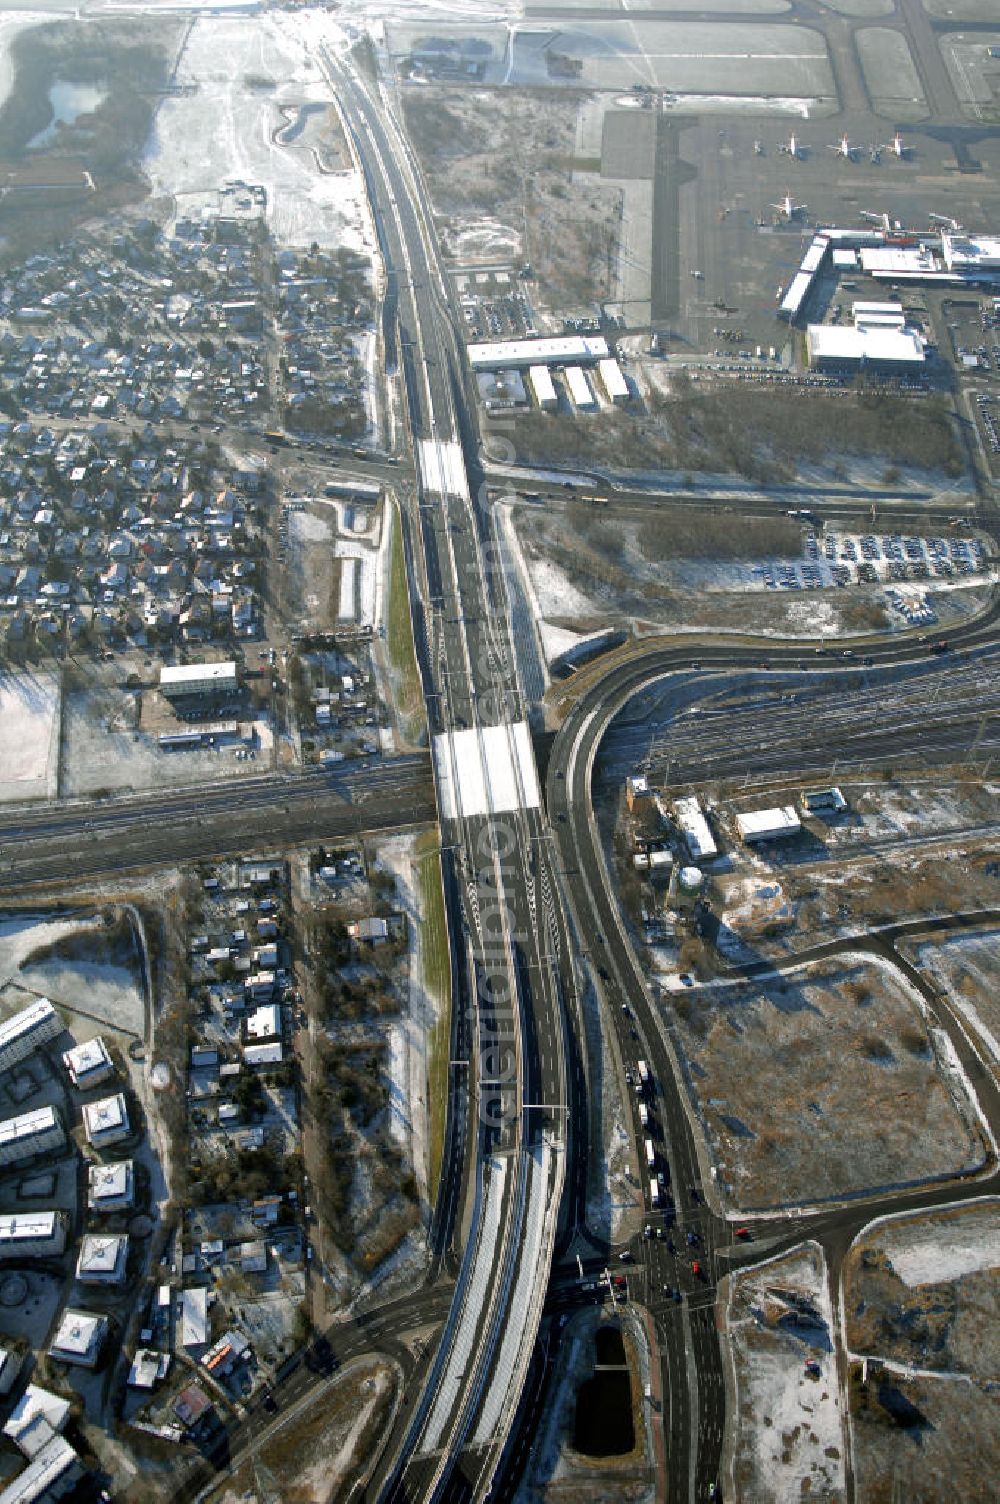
<point x="744" y="1234"/>
<point x="696" y="1268"/>
<point x="625" y="1257"/>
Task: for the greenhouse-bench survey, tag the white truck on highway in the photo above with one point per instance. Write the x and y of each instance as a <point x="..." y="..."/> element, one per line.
<point x="644" y="1078"/>
<point x="650" y="1154"/>
<point x="643" y="1114"/>
<point x="654" y="1192"/>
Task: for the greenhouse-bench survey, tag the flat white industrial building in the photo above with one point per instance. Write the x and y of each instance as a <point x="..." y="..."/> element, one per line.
<point x="31" y="1133"/>
<point x="265" y="1022"/>
<point x="79" y="1338"/>
<point x="32" y="1234"/>
<point x="194" y="1317"/>
<point x="802" y="283"/>
<point x="89" y="1064"/>
<point x="24" y="1032"/>
<point x="495" y="354"/>
<point x="580" y="390"/>
<point x="111" y="1188"/>
<point x="613" y="381"/>
<point x="969" y="254"/>
<point x="878" y="315"/>
<point x="198" y="679"/>
<point x="542" y="389"/>
<point x="271" y="1053"/>
<point x="768" y="824"/>
<point x="694" y="829"/>
<point x="835" y="345"/>
<point x="898" y="260"/>
<point x="148" y="1367"/>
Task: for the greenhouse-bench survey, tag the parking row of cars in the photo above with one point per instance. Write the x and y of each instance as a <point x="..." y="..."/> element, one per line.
<point x="841" y="560"/>
<point x="988" y="419"/>
<point x="504" y="316"/>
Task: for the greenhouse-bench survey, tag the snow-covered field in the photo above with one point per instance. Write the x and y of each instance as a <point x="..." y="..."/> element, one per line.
<point x="29" y="736"/>
<point x="788" y="1432"/>
<point x="555" y="594"/>
<point x="922" y="1259"/>
<point x="410" y="1034"/>
<point x="244" y="70"/>
<point x="11" y="22"/>
<point x="102" y="750"/>
<point x="92" y="991"/>
<point x="968" y="965"/>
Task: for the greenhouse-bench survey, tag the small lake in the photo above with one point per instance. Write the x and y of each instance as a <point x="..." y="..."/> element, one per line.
<point x="68" y="102"/>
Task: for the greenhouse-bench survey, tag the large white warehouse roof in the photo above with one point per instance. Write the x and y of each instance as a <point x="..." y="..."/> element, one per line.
<point x="541" y="385"/>
<point x="579" y="387"/>
<point x="971" y="253"/>
<point x="833" y="342"/>
<point x="196" y="673"/>
<point x="614" y="382"/>
<point x="694" y="828"/>
<point x="495" y="354"/>
<point x="766" y="824"/>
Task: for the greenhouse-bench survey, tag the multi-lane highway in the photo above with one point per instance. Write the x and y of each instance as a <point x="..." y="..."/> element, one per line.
<point x="513" y="967"/>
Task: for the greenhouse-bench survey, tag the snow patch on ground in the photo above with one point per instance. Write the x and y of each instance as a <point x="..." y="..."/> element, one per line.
<point x="101" y="991"/>
<point x="410" y="1035"/>
<point x="816" y="618"/>
<point x="29" y="731"/>
<point x="362" y="573"/>
<point x="968" y="966"/>
<point x="920" y="1258"/>
<point x="226" y="129"/>
<point x="20" y="935"/>
<point x="789" y="1443"/>
<point x="552" y="589"/>
<point x="12" y="22"/>
<point x="307" y="528"/>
